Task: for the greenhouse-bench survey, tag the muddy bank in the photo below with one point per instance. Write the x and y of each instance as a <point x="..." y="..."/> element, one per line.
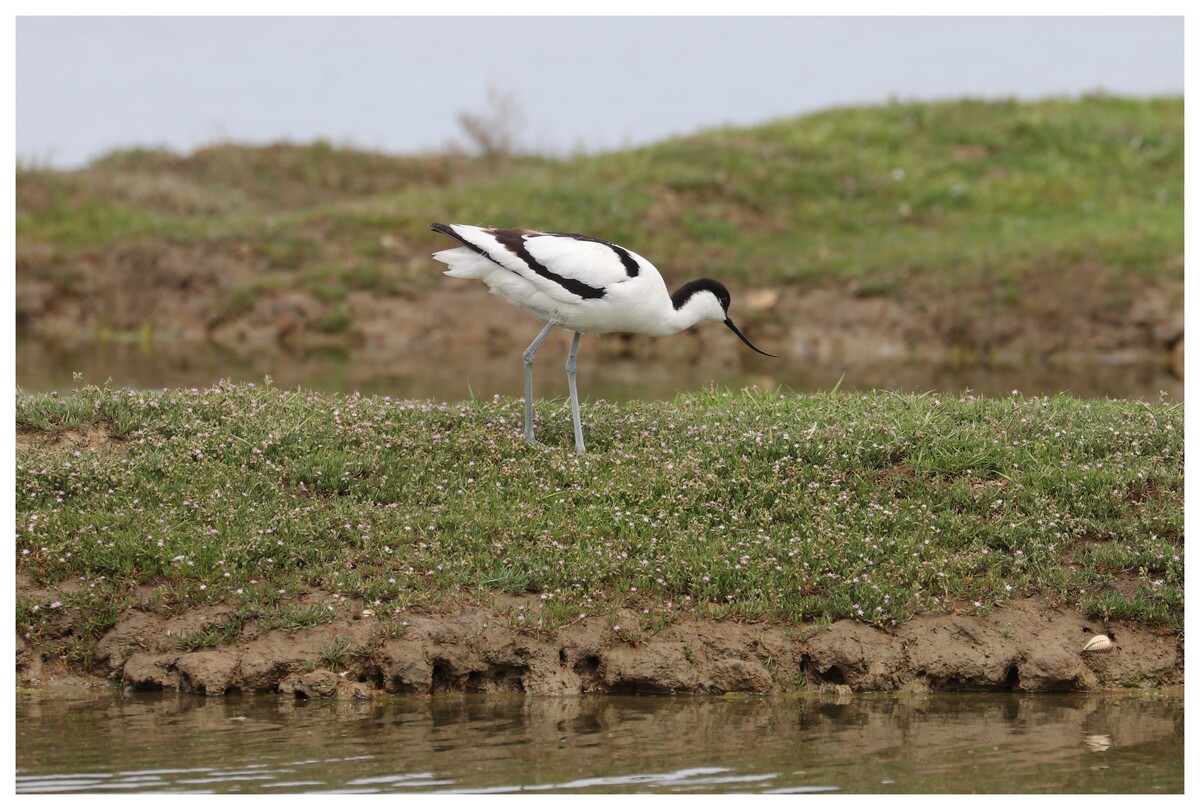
<point x="1024" y="646"/>
<point x="180" y="295"/>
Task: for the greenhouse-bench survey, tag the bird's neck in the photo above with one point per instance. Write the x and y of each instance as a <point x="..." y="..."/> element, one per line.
<point x="689" y="308"/>
<point x="686" y="316"/>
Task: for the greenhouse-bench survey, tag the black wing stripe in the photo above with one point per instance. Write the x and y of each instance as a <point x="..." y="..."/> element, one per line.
<point x="514" y="240"/>
<point x="631" y="265"/>
<point x="453" y="234"/>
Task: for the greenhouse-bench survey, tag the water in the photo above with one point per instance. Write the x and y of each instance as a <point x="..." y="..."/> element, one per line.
<point x="460" y="375"/>
<point x="954" y="743"/>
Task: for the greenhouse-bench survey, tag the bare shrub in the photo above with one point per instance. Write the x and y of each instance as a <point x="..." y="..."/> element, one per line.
<point x="495" y="132"/>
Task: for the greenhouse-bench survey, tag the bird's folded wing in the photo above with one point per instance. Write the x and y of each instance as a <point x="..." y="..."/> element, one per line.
<point x="567" y="267"/>
<point x="590" y="260"/>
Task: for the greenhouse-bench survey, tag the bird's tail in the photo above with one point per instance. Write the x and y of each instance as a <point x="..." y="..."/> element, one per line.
<point x="468" y="261"/>
<point x="464" y="263"/>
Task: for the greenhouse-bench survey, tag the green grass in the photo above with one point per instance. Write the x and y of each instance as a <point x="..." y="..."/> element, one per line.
<point x="754" y="505"/>
<point x="900" y="197"/>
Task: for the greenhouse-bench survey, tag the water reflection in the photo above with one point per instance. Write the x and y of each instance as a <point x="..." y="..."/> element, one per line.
<point x="457" y="376"/>
<point x="1106" y="743"/>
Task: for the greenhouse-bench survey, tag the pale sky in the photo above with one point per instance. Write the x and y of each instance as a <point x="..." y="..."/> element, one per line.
<point x="85" y="85"/>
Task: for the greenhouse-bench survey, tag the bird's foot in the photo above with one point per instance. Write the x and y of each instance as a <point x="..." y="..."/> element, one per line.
<point x="580" y="450"/>
<point x="536" y="443"/>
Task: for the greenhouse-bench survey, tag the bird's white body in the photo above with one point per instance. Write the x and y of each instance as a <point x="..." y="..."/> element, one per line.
<point x="583" y="284"/>
<point x="628" y="303"/>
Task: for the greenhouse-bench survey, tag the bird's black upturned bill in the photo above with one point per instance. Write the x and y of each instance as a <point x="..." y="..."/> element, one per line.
<point x="746" y="340"/>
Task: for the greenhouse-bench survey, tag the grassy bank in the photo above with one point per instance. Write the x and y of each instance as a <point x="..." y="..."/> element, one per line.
<point x="752" y="505"/>
<point x="892" y="198"/>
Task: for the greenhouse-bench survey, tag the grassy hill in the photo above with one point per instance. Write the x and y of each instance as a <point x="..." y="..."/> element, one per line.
<point x="893" y="200"/>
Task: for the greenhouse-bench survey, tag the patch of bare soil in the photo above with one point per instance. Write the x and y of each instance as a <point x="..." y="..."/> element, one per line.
<point x="1024" y="646"/>
<point x="89" y="438"/>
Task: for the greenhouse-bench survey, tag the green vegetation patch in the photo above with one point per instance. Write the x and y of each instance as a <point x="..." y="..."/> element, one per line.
<point x="754" y="505"/>
<point x="894" y="196"/>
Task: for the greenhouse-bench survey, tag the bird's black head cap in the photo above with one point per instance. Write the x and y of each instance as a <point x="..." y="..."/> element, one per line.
<point x="681" y="296"/>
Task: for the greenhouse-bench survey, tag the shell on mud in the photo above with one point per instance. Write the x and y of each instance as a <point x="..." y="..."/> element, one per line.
<point x="1100" y="644"/>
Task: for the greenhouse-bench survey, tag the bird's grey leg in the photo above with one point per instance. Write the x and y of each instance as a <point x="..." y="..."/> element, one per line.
<point x="575" y="395"/>
<point x="529" y="353"/>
